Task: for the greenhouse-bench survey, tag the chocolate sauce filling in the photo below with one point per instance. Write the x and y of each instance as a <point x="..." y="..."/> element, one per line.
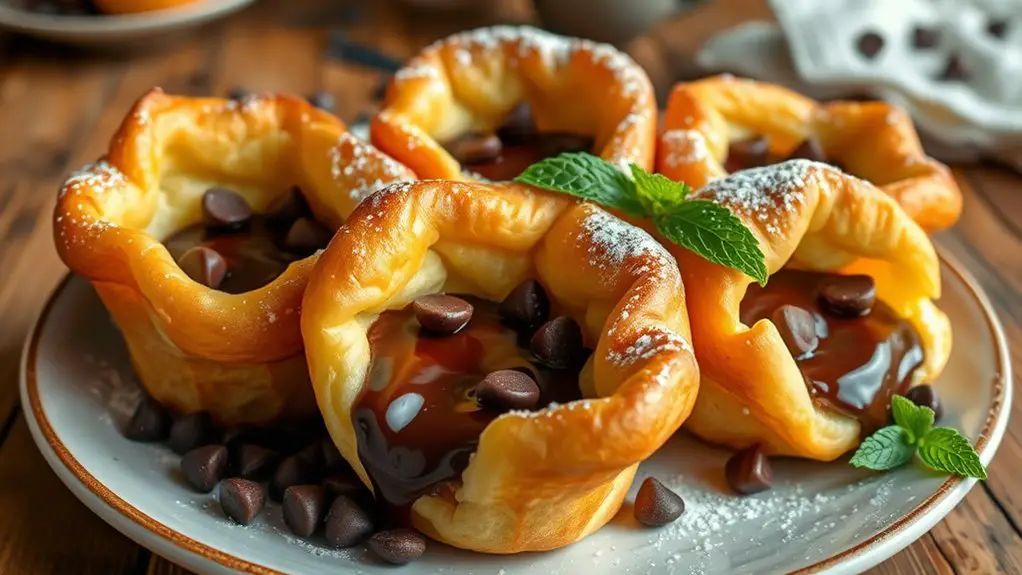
<point x="754" y="152"/>
<point x="417" y="419"/>
<point x="859" y="362"/>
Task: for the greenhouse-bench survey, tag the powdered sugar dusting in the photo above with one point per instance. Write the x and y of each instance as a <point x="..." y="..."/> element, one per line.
<point x="99" y="176"/>
<point x="363" y="167"/>
<point x="684" y="147"/>
<point x="649" y="345"/>
<point x="611" y="243"/>
<point x="764" y="193"/>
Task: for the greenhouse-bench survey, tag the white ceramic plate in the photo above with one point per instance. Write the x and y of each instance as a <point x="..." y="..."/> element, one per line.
<point x="113" y="30"/>
<point x="78" y="388"/>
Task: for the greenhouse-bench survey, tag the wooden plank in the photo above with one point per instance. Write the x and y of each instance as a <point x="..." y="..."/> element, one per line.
<point x="1000" y="187"/>
<point x="922" y="557"/>
<point x="977" y="539"/>
<point x="160" y="566"/>
<point x="47" y="530"/>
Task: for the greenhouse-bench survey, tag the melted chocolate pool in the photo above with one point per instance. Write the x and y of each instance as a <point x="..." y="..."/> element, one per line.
<point x="417" y="419"/>
<point x="860" y="362"/>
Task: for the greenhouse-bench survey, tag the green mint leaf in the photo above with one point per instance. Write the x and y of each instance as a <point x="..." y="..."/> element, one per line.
<point x="945" y="449"/>
<point x="918" y="420"/>
<point x="714" y="233"/>
<point x="656" y="192"/>
<point x="886" y="449"/>
<point x="588" y="177"/>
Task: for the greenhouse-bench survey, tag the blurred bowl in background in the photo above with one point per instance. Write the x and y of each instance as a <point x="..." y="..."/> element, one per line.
<point x="613" y="21"/>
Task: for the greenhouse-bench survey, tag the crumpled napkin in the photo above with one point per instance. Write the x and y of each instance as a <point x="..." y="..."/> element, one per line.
<point x="954" y="65"/>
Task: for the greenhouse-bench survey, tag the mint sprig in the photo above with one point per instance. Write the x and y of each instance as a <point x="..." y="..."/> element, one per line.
<point x="700" y="226"/>
<point x="942" y="449"/>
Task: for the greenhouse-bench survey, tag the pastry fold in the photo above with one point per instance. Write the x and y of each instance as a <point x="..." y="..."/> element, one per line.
<point x="195" y="348"/>
<point x="805" y="215"/>
<point x="472" y="81"/>
<point x="538" y="480"/>
<point x="871" y="140"/>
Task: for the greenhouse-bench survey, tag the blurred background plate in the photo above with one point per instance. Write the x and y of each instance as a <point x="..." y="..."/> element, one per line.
<point x="99" y="31"/>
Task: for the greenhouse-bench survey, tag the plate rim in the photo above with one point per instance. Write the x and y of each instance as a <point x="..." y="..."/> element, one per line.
<point x="949" y="493"/>
<point x="97" y="26"/>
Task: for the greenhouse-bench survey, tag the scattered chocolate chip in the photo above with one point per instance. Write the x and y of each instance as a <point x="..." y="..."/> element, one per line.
<point x="809" y="149"/>
<point x="398" y="546"/>
<point x="223" y="210"/>
<point x="313" y="455"/>
<point x="291" y="207"/>
<point x="332" y="459"/>
<point x="323" y="100"/>
<point x="749" y="153"/>
<point x="150" y="422"/>
<point x="303" y="509"/>
<point x="955" y="68"/>
<point x="347" y="523"/>
<point x="203" y="467"/>
<point x="656" y="505"/>
<point x="998" y="28"/>
<point x="870" y="44"/>
<point x="748" y="471"/>
<point x="552" y="144"/>
<point x="347" y="484"/>
<point x="254" y="461"/>
<point x="526" y="307"/>
<point x="239" y="93"/>
<point x="518" y="127"/>
<point x="442" y="313"/>
<point x="292" y="470"/>
<point x="204" y="265"/>
<point x="475" y="148"/>
<point x="235" y="435"/>
<point x="925" y="396"/>
<point x="306" y="236"/>
<point x="797" y="327"/>
<point x="849" y="296"/>
<point x="507" y="389"/>
<point x="242" y="499"/>
<point x="924" y="38"/>
<point x="557" y="343"/>
<point x="191" y="431"/>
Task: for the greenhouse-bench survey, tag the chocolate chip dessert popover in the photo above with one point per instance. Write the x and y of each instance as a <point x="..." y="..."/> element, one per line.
<point x="723" y="124"/>
<point x="487" y="103"/>
<point x="495" y="360"/>
<point x="198" y="229"/>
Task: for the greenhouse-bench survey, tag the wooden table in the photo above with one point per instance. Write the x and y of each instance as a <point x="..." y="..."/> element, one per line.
<point x="58" y="108"/>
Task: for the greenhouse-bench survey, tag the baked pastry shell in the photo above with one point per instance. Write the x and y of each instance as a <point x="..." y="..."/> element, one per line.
<point x="872" y="140"/>
<point x="538" y="480"/>
<point x="238" y="357"/>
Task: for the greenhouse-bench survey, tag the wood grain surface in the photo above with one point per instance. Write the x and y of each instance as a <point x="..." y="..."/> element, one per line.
<point x="59" y="106"/>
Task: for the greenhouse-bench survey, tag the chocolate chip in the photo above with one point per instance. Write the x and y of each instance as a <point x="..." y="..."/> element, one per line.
<point x="254" y="461"/>
<point x="849" y="296"/>
<point x="925" y="396"/>
<point x="870" y="44"/>
<point x="507" y="389"/>
<point x="291" y="207"/>
<point x="332" y="459"/>
<point x="203" y="466"/>
<point x="552" y="144"/>
<point x="955" y="69"/>
<point x="809" y="149"/>
<point x="323" y="100"/>
<point x="303" y="509"/>
<point x="347" y="523"/>
<point x="557" y="343"/>
<point x="998" y="28"/>
<point x="518" y="127"/>
<point x="526" y="307"/>
<point x="441" y="313"/>
<point x="150" y="422"/>
<point x="748" y="471"/>
<point x="398" y="546"/>
<point x="225" y="210"/>
<point x="313" y="455"/>
<point x="292" y="470"/>
<point x="239" y="93"/>
<point x="204" y="265"/>
<point x="745" y="154"/>
<point x="656" y="505"/>
<point x="306" y="236"/>
<point x="475" y="148"/>
<point x="191" y="431"/>
<point x="923" y="38"/>
<point x="797" y="327"/>
<point x="242" y="499"/>
<point x="347" y="484"/>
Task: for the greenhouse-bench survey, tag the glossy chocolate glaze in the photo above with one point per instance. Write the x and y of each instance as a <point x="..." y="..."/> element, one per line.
<point x="254" y="255"/>
<point x="417" y="419"/>
<point x="754" y="153"/>
<point x="859" y="363"/>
